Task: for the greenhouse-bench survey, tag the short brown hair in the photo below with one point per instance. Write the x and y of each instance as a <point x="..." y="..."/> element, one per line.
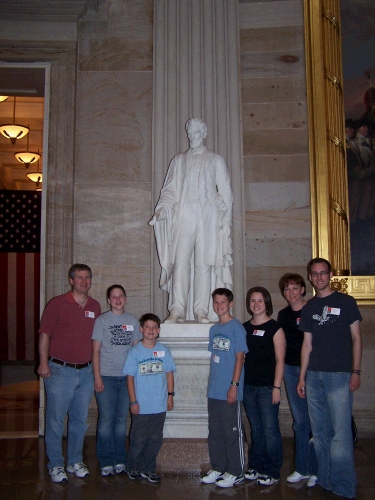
<point x="223" y="291"/>
<point x="318" y="260"/>
<point x="78" y="267"/>
<point x="291" y="278"/>
<point x="149" y="317"/>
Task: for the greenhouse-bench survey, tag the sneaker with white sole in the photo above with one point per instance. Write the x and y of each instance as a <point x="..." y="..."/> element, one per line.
<point x="211" y="477"/>
<point x="120" y="468"/>
<point x="267" y="480"/>
<point x="312" y="481"/>
<point x="79" y="469"/>
<point x="296" y="477"/>
<point x="134" y="474"/>
<point x="251" y="474"/>
<point x="58" y="474"/>
<point x="151" y="477"/>
<point x="228" y="480"/>
<point x="107" y="470"/>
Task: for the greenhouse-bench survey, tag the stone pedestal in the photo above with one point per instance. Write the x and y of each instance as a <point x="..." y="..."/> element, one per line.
<point x="188" y="344"/>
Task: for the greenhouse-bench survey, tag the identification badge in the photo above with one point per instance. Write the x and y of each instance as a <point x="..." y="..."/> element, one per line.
<point x="334" y="310"/>
<point x="128" y="328"/>
<point x="158" y="354"/>
<point x="298" y="321"/>
<point x="89" y="314"/>
<point x="215" y="358"/>
<point x="259" y="333"/>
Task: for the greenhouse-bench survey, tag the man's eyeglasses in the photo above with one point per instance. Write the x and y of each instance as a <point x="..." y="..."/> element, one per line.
<point x="322" y="273"/>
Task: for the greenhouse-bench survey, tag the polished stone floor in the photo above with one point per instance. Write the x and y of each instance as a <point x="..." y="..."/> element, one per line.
<point x="24" y="476"/>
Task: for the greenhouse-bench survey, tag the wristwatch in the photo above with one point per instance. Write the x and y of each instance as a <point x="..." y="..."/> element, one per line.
<point x="170" y="393"/>
<point x="357" y="372"/>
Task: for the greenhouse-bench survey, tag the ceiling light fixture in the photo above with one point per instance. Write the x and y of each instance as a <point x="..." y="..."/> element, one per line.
<point x="3" y="98"/>
<point x="13" y="131"/>
<point x="37" y="176"/>
<point x="27" y="157"/>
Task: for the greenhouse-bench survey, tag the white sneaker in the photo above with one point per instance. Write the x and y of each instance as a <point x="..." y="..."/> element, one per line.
<point x="79" y="469"/>
<point x="296" y="477"/>
<point x="120" y="468"/>
<point x="107" y="470"/>
<point x="58" y="474"/>
<point x="267" y="480"/>
<point x="251" y="474"/>
<point x="211" y="477"/>
<point x="228" y="480"/>
<point x="312" y="481"/>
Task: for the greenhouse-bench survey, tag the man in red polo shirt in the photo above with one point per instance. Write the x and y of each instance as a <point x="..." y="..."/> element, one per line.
<point x="65" y="365"/>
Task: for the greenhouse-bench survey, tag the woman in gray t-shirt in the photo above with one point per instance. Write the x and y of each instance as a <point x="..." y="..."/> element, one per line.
<point x="115" y="332"/>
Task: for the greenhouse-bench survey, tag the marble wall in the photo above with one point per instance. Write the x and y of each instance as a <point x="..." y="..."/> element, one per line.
<point x="112" y="186"/>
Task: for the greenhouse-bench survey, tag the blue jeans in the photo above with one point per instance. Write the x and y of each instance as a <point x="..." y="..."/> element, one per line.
<point x="266" y="452"/>
<point x="330" y="408"/>
<point x="113" y="408"/>
<point x="69" y="391"/>
<point x="305" y="457"/>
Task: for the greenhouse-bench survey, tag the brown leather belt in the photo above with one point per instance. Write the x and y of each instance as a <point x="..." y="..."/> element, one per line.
<point x="77" y="366"/>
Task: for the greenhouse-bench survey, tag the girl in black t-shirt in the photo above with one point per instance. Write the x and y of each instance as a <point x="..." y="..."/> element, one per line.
<point x="264" y="369"/>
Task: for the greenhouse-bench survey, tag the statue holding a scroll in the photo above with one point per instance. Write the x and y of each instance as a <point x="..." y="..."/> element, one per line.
<point x="192" y="224"/>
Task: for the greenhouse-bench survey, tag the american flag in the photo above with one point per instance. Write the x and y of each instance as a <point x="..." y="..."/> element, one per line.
<point x="20" y="273"/>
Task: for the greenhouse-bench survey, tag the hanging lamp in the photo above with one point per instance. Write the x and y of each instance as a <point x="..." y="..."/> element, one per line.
<point x="27" y="157"/>
<point x="37" y="176"/>
<point x="13" y="131"/>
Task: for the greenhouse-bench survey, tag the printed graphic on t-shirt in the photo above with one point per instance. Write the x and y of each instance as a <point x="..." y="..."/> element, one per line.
<point x="150" y="367"/>
<point x="329" y="314"/>
<point x="121" y="334"/>
<point x="221" y="343"/>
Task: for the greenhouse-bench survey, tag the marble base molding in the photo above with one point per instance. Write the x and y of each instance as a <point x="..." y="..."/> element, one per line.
<point x="188" y="344"/>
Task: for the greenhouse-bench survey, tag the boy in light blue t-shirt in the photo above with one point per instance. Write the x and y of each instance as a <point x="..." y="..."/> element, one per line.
<point x="149" y="368"/>
<point x="227" y="344"/>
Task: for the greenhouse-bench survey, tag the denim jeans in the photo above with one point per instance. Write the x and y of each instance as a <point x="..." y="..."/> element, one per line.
<point x="266" y="452"/>
<point x="330" y="408"/>
<point x="69" y="391"/>
<point x="113" y="408"/>
<point x="305" y="457"/>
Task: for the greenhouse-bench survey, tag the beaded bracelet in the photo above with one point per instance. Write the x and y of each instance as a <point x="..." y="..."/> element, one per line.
<point x="133" y="403"/>
<point x="275" y="387"/>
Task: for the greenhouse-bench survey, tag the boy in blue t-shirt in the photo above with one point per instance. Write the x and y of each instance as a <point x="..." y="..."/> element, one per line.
<point x="227" y="344"/>
<point x="149" y="368"/>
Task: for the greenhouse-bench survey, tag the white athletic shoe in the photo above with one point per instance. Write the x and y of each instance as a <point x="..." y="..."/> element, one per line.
<point x="107" y="470"/>
<point x="296" y="477"/>
<point x="79" y="469"/>
<point x="312" y="481"/>
<point x="267" y="480"/>
<point x="211" y="477"/>
<point x="58" y="474"/>
<point x="228" y="480"/>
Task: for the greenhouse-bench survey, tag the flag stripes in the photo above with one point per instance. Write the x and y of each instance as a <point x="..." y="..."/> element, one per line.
<point x="19" y="305"/>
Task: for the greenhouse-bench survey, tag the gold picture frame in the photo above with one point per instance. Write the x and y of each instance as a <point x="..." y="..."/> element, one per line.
<point x="328" y="173"/>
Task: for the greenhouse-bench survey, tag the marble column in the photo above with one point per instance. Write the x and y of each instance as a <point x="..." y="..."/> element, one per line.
<point x="196" y="74"/>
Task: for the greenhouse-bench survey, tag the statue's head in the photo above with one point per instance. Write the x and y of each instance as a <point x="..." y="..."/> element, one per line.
<point x="196" y="131"/>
